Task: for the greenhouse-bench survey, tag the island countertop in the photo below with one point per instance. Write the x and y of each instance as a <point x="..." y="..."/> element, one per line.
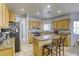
<point x="46" y="37"/>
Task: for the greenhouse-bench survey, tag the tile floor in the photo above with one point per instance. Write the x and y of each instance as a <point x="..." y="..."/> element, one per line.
<point x="27" y="50"/>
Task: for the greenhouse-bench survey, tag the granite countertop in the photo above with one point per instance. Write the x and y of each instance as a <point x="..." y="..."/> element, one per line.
<point x="46" y="37"/>
<point x="8" y="43"/>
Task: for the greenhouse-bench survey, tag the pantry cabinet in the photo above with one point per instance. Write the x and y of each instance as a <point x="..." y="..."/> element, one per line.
<point x="4" y="16"/>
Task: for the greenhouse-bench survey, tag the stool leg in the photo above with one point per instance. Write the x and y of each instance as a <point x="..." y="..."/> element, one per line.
<point x="59" y="51"/>
<point x="56" y="51"/>
<point x="51" y="52"/>
<point x="43" y="52"/>
<point x="63" y="50"/>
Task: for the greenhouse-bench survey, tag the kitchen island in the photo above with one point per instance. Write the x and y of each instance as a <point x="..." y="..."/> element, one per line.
<point x="40" y="41"/>
<point x="7" y="48"/>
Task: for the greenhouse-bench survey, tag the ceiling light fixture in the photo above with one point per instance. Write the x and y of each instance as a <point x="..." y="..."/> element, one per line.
<point x="48" y="6"/>
<point x="59" y="11"/>
<point x="22" y="9"/>
<point x="37" y="13"/>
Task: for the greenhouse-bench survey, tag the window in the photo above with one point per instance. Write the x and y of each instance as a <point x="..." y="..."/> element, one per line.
<point x="46" y="26"/>
<point x="76" y="27"/>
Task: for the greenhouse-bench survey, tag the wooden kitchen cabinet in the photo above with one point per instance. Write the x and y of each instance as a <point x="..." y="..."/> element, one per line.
<point x="61" y="24"/>
<point x="30" y="38"/>
<point x="34" y="24"/>
<point x="38" y="44"/>
<point x="1" y="15"/>
<point x="12" y="16"/>
<point x="4" y="16"/>
<point x="65" y="24"/>
<point x="67" y="39"/>
<point x="6" y="52"/>
<point x="7" y="48"/>
<point x="7" y="18"/>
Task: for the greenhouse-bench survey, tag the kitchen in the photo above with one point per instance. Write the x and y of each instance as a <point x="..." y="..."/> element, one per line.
<point x="30" y="27"/>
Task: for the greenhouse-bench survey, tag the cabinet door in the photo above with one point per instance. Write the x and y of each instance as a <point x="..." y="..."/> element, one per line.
<point x="7" y="18"/>
<point x="59" y="24"/>
<point x="65" y="24"/>
<point x="30" y="38"/>
<point x="0" y="15"/>
<point x="3" y="16"/>
<point x="6" y="52"/>
<point x="12" y="17"/>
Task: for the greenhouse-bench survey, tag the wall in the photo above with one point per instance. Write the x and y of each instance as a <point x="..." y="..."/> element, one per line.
<point x="62" y="17"/>
<point x="74" y="37"/>
<point x="47" y="22"/>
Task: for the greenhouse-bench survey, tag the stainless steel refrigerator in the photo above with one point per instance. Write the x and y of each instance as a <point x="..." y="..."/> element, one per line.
<point x="14" y="32"/>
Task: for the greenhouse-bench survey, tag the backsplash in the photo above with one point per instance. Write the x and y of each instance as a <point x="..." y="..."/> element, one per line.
<point x="64" y="31"/>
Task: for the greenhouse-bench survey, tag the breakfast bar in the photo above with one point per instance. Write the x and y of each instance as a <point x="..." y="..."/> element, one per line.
<point x="40" y="41"/>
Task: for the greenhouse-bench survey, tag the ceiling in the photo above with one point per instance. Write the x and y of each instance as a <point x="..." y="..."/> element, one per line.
<point x="44" y="11"/>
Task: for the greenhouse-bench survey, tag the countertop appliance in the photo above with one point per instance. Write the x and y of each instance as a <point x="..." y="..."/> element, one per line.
<point x="1" y="37"/>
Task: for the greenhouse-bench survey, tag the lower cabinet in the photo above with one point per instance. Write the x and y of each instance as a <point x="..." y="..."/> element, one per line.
<point x="37" y="49"/>
<point x="67" y="40"/>
<point x="7" y="48"/>
<point x="6" y="52"/>
<point x="30" y="38"/>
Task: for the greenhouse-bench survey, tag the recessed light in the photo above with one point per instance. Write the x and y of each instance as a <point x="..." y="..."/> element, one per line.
<point x="59" y="11"/>
<point x="22" y="9"/>
<point x="37" y="13"/>
<point x="48" y="6"/>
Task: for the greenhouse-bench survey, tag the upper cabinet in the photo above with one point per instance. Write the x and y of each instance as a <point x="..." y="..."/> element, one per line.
<point x="65" y="24"/>
<point x="1" y="12"/>
<point x="35" y="24"/>
<point x="12" y="16"/>
<point x="4" y="16"/>
<point x="7" y="17"/>
<point x="61" y="24"/>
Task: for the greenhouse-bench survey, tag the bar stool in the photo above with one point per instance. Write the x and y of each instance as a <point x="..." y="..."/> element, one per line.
<point x="49" y="48"/>
<point x="56" y="47"/>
